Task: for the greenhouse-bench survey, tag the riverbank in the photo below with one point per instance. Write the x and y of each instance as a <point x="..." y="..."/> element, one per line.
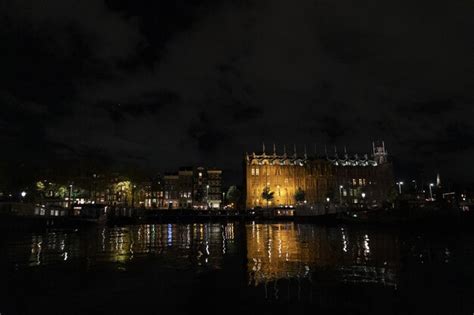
<point x="381" y="218"/>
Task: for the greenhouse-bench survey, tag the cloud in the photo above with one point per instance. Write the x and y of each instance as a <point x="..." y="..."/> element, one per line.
<point x="180" y="83"/>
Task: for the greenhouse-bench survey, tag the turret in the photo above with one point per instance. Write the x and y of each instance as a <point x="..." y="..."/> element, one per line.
<point x="379" y="152"/>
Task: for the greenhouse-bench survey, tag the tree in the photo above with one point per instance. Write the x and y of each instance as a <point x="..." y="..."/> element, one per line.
<point x="300" y="195"/>
<point x="233" y="195"/>
<point x="267" y="194"/>
<point x="123" y="191"/>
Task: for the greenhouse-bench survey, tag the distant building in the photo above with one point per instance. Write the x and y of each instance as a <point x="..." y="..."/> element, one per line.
<point x="185" y="187"/>
<point x="214" y="192"/>
<point x="192" y="187"/>
<point x="171" y="191"/>
<point x="344" y="180"/>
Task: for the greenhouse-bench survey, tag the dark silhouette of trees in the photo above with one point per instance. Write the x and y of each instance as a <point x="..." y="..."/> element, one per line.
<point x="268" y="195"/>
<point x="300" y="195"/>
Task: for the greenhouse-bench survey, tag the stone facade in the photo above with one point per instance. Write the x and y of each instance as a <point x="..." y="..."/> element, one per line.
<point x="347" y="180"/>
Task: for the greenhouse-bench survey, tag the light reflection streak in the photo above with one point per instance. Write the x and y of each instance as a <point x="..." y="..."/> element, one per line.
<point x="366" y="246"/>
<point x="344" y="241"/>
<point x="295" y="251"/>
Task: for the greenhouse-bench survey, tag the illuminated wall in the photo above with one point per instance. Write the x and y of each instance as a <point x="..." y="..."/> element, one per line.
<point x="362" y="180"/>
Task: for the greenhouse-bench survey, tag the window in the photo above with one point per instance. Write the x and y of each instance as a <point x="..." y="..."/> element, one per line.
<point x="253" y="171"/>
<point x="360" y="181"/>
<point x="354" y="182"/>
<point x="256" y="172"/>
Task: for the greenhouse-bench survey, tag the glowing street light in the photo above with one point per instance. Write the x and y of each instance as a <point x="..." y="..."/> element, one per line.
<point x="328" y="199"/>
<point x="363" y="195"/>
<point x="431" y="192"/>
<point x="70" y="195"/>
<point x="340" y="194"/>
<point x="23" y="195"/>
<point x="400" y="187"/>
<point x="207" y="195"/>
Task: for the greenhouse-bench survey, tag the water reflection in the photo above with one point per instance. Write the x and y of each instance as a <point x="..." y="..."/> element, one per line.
<point x="338" y="268"/>
<point x="285" y="251"/>
<point x="180" y="244"/>
<point x="273" y="252"/>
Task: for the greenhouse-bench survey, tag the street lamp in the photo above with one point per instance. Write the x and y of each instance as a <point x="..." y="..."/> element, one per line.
<point x="327" y="199"/>
<point x="70" y="195"/>
<point x="23" y="195"/>
<point x="431" y="192"/>
<point x="363" y="195"/>
<point x="340" y="194"/>
<point x="133" y="195"/>
<point x="207" y="196"/>
<point x="400" y="187"/>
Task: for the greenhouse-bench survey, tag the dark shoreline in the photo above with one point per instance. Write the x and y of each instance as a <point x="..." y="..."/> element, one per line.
<point x="26" y="222"/>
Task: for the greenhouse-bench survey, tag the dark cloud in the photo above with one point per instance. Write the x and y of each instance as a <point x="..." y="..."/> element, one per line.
<point x="159" y="84"/>
<point x="243" y="115"/>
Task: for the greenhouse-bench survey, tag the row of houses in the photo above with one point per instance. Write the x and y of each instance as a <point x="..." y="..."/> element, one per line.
<point x="188" y="188"/>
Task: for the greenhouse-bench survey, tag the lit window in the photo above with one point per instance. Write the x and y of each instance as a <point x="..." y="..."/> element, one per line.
<point x="256" y="171"/>
<point x="360" y="181"/>
<point x="354" y="182"/>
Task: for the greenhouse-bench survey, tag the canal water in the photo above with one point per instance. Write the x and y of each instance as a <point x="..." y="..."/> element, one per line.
<point x="222" y="268"/>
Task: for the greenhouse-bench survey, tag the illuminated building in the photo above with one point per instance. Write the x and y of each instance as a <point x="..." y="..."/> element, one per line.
<point x="341" y="180"/>
<point x="185" y="186"/>
<point x="171" y="190"/>
<point x="191" y="187"/>
<point x="214" y="188"/>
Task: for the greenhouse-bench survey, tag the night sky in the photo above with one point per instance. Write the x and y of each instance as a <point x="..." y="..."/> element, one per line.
<point x="161" y="84"/>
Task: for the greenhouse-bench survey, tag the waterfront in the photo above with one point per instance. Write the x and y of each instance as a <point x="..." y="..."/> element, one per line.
<point x="237" y="267"/>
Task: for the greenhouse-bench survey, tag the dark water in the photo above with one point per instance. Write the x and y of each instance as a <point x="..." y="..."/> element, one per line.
<point x="237" y="268"/>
